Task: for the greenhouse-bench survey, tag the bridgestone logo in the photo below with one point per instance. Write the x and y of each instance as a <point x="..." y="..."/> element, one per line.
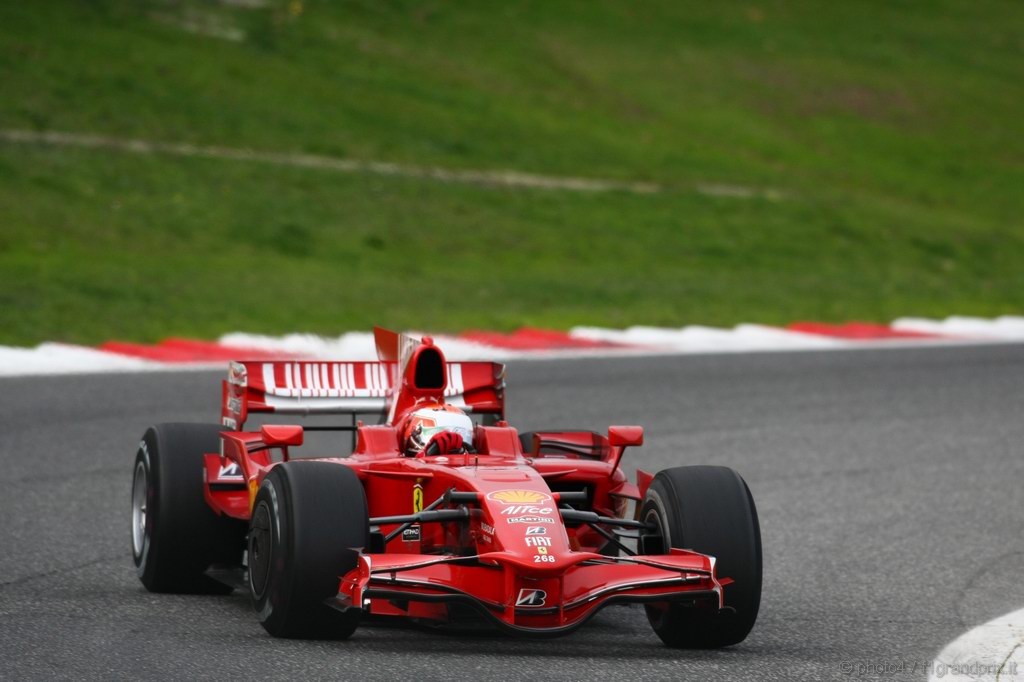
<point x="531" y="598"/>
<point x="229" y="471"/>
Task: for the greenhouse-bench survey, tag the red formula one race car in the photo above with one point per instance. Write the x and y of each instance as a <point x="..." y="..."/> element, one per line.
<point x="435" y="517"/>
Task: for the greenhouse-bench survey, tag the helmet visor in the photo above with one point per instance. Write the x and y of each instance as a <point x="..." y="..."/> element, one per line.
<point x="428" y="432"/>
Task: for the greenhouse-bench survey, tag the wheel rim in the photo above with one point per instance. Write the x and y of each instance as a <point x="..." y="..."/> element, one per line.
<point x="260" y="549"/>
<point x="653" y="517"/>
<point x="656" y="613"/>
<point x="139" y="494"/>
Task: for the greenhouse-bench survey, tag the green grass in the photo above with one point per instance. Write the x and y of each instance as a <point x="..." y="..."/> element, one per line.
<point x="893" y="131"/>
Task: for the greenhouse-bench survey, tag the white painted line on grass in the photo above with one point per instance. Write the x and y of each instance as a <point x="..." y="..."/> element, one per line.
<point x="504" y="178"/>
<point x="487" y="178"/>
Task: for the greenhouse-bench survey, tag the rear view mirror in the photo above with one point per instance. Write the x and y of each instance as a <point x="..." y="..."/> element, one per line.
<point x="281" y="435"/>
<point x="625" y="435"/>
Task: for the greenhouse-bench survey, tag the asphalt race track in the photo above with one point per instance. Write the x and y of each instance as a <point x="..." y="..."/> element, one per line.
<point x="889" y="486"/>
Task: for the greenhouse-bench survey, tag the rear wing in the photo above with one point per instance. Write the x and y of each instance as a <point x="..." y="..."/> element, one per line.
<point x="311" y="387"/>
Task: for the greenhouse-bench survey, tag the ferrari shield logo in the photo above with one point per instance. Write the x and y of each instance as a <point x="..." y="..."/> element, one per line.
<point x="531" y="598"/>
<point x="417" y="498"/>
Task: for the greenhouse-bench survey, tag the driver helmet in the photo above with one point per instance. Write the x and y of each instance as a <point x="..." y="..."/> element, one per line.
<point x="426" y="422"/>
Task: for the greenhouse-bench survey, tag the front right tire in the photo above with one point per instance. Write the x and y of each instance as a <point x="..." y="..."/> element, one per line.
<point x="309" y="522"/>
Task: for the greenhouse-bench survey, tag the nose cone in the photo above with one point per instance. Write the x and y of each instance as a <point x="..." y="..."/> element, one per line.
<point x="527" y="526"/>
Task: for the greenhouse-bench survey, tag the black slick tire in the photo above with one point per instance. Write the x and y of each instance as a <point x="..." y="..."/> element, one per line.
<point x="308" y="524"/>
<point x="707" y="509"/>
<point x="176" y="536"/>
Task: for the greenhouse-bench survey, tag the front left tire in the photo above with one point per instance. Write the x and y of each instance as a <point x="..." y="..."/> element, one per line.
<point x="706" y="509"/>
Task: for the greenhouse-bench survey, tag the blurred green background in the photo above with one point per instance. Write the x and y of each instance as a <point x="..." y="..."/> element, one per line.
<point x="817" y="160"/>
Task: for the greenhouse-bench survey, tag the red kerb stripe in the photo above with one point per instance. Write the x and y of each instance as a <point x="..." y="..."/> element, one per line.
<point x="188" y="350"/>
<point x="529" y="338"/>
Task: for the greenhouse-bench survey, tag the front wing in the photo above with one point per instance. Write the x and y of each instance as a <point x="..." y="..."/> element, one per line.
<point x="523" y="599"/>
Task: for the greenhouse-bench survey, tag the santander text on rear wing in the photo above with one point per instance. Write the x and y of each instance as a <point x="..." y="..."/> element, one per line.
<point x="314" y="387"/>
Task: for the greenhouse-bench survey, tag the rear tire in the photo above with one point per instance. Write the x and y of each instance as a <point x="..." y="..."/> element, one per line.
<point x="309" y="522"/>
<point x="176" y="536"/>
<point x="709" y="510"/>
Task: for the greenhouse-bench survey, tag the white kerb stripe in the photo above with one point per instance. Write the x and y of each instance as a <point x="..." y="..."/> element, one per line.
<point x="992" y="651"/>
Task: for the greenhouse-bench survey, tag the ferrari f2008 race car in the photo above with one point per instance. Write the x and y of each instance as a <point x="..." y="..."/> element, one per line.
<point x="527" y="531"/>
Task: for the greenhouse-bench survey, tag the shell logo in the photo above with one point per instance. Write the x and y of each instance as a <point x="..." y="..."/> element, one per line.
<point x="518" y="496"/>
